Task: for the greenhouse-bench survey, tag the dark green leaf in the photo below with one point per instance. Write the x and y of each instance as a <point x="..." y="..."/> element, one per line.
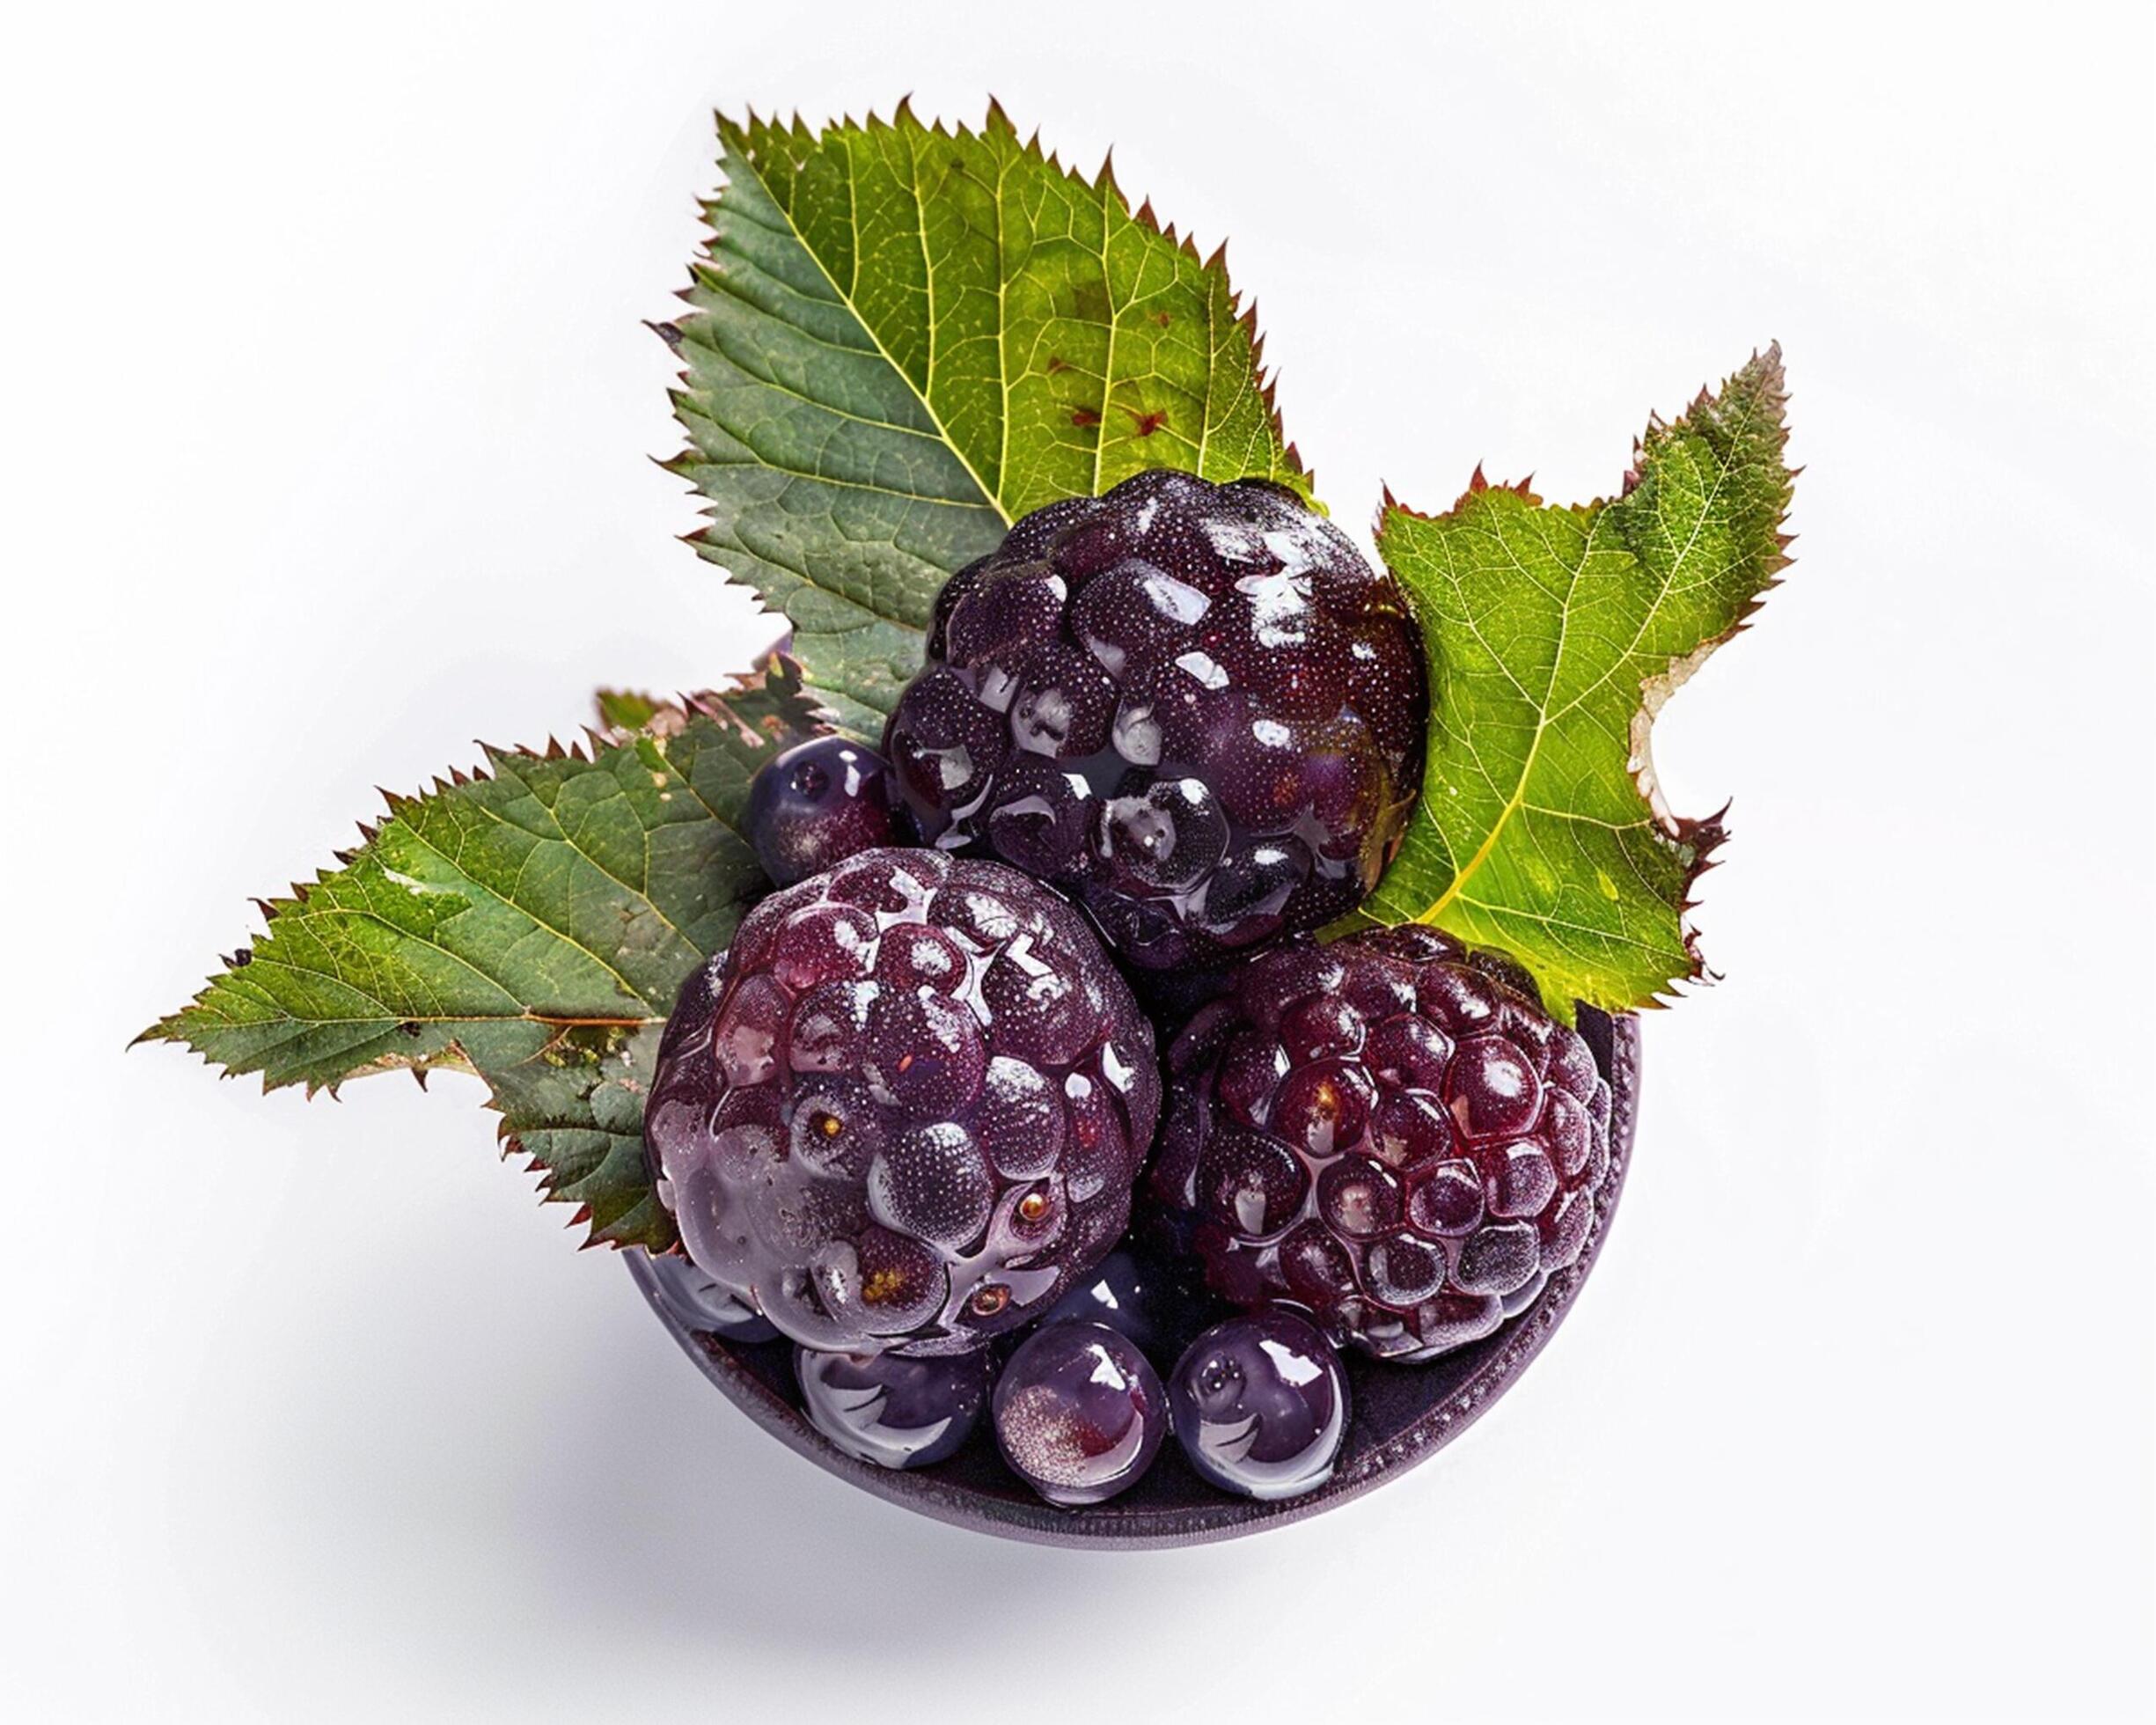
<point x="906" y="338"/>
<point x="531" y="923"/>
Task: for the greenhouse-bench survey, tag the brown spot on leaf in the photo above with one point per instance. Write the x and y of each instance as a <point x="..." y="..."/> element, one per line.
<point x="1085" y="416"/>
<point x="1057" y="362"/>
<point x="1148" y="423"/>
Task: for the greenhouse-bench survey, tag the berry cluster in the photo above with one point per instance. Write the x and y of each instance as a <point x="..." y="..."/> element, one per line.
<point x="1388" y="1130"/>
<point x="1195" y="708"/>
<point x="904" y="1118"/>
<point x="907" y="1108"/>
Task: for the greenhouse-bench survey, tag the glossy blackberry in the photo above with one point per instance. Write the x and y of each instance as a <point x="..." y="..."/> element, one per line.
<point x="1260" y="1405"/>
<point x="891" y="1411"/>
<point x="1390" y="1131"/>
<point x="906" y="1109"/>
<point x="818" y="803"/>
<point x="1194" y="707"/>
<point x="1079" y="1414"/>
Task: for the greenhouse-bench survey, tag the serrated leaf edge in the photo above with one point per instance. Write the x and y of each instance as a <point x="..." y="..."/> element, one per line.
<point x="715" y="705"/>
<point x="735" y="136"/>
<point x="1702" y="837"/>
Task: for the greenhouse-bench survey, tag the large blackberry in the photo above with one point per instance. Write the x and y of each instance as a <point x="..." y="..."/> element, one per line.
<point x="1195" y="708"/>
<point x="1388" y="1130"/>
<point x="906" y="1109"/>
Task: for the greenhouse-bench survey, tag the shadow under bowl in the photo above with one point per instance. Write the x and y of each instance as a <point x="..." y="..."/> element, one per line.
<point x="1399" y="1415"/>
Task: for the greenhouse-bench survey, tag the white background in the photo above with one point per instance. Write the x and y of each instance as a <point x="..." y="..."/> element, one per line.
<point x="326" y="417"/>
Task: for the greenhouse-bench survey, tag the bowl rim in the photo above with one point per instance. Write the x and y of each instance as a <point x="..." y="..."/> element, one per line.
<point x="1121" y="1526"/>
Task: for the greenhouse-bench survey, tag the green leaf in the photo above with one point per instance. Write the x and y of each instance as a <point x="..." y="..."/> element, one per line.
<point x="626" y="709"/>
<point x="1555" y="635"/>
<point x="904" y="339"/>
<point x="531" y="923"/>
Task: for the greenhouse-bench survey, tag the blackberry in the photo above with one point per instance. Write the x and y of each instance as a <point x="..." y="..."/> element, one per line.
<point x="1260" y="1405"/>
<point x="1079" y="1414"/>
<point x="1390" y="1131"/>
<point x="1194" y="707"/>
<point x="818" y="803"/>
<point x="907" y="1109"/>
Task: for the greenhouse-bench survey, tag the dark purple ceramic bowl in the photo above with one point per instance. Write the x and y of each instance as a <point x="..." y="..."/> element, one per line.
<point x="1400" y="1414"/>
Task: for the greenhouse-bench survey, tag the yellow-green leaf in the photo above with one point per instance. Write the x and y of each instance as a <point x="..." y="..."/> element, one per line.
<point x="1555" y="633"/>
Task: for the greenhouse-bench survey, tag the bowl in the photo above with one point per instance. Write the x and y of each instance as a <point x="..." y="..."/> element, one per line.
<point x="1399" y="1415"/>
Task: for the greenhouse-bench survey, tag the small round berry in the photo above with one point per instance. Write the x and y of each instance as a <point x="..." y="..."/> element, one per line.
<point x="1260" y="1405"/>
<point x="818" y="803"/>
<point x="1139" y="1295"/>
<point x="693" y="1299"/>
<point x="1079" y="1414"/>
<point x="893" y="1411"/>
<point x="1492" y="1088"/>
